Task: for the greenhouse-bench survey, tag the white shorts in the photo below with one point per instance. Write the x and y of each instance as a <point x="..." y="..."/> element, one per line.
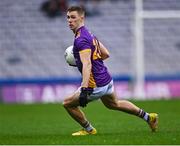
<point x="101" y="91"/>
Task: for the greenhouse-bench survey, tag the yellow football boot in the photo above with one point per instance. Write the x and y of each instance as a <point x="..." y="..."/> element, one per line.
<point x="84" y="132"/>
<point x="153" y="121"/>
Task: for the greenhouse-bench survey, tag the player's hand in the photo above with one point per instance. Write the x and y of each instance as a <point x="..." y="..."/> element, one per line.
<point x="83" y="97"/>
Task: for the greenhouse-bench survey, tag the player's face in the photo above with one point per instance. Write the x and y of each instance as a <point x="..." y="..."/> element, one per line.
<point x="74" y="20"/>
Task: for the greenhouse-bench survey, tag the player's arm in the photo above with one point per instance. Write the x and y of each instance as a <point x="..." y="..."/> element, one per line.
<point x="85" y="56"/>
<point x="104" y="51"/>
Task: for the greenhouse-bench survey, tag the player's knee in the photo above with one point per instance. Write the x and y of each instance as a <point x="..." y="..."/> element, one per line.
<point x="65" y="104"/>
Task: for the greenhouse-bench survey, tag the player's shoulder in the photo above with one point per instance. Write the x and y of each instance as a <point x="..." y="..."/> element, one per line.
<point x="83" y="32"/>
<point x="83" y="36"/>
<point x="80" y="37"/>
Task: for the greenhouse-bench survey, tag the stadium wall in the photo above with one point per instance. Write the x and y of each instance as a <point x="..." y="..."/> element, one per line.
<point x="55" y="90"/>
<point x="32" y="45"/>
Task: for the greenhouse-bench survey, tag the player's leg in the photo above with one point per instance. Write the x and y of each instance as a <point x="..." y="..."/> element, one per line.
<point x="71" y="104"/>
<point x="111" y="102"/>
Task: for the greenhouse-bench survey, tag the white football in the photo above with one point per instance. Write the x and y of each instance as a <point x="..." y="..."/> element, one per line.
<point x="69" y="56"/>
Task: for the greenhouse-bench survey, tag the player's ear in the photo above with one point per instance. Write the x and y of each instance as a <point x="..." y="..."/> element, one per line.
<point x="82" y="17"/>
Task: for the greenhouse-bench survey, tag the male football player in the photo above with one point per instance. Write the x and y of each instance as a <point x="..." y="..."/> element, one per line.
<point x="97" y="82"/>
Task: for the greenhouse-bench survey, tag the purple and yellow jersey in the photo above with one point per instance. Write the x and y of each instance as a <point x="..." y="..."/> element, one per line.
<point x="85" y="41"/>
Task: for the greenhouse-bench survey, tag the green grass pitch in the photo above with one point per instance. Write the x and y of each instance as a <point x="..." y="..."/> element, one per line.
<point x="50" y="124"/>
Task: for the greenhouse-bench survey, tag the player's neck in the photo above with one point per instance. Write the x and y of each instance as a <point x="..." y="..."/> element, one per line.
<point x="75" y="31"/>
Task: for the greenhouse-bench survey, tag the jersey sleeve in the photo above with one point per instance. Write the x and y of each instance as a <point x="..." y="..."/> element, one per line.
<point x="82" y="44"/>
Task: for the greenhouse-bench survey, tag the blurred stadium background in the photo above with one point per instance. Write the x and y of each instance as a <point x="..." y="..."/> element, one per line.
<point x="34" y="36"/>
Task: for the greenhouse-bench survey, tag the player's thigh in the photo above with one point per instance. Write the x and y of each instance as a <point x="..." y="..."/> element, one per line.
<point x="72" y="100"/>
<point x="110" y="100"/>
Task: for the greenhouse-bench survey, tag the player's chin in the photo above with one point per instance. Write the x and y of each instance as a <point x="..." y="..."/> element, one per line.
<point x="71" y="27"/>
